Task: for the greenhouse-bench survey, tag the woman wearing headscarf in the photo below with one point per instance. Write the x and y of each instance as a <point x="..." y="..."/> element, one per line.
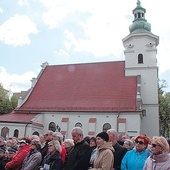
<point x="135" y="159"/>
<point x="104" y="157"/>
<point x="160" y="158"/>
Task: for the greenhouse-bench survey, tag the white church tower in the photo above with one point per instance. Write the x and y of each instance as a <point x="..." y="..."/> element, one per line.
<point x="140" y="59"/>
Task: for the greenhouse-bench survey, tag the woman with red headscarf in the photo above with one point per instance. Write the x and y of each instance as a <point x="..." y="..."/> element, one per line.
<point x="135" y="159"/>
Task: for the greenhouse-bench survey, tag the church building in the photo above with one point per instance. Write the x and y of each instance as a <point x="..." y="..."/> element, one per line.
<point x="122" y="95"/>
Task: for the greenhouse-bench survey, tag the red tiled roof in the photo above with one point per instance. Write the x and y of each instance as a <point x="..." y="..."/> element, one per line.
<point x="83" y="87"/>
<point x="17" y="117"/>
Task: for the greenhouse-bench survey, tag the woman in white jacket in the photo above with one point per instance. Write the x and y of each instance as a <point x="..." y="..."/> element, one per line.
<point x="160" y="158"/>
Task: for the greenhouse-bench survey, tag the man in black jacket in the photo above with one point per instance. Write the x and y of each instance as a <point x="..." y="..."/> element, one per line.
<point x="120" y="151"/>
<point x="48" y="137"/>
<point x="79" y="156"/>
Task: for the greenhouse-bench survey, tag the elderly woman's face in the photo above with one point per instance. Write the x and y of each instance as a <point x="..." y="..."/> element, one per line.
<point x="156" y="148"/>
<point x="140" y="145"/>
<point x="51" y="147"/>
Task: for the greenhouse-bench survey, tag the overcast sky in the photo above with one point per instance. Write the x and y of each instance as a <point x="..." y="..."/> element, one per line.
<point x="72" y="31"/>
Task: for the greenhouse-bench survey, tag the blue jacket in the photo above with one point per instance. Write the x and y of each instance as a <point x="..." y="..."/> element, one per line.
<point x="134" y="160"/>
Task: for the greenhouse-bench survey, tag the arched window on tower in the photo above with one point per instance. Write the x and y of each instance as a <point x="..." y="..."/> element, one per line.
<point x="78" y="125"/>
<point x="106" y="126"/>
<point x="52" y="126"/>
<point x="140" y="58"/>
<point x="16" y="133"/>
<point x="139" y="16"/>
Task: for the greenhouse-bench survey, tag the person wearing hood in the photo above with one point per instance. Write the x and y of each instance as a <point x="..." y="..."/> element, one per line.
<point x="160" y="158"/>
<point x="104" y="157"/>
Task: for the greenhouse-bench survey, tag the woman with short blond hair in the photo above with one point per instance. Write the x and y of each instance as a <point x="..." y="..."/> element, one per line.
<point x="160" y="158"/>
<point x="52" y="160"/>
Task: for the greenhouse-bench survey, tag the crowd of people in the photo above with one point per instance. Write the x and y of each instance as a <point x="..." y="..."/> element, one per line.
<point x="105" y="151"/>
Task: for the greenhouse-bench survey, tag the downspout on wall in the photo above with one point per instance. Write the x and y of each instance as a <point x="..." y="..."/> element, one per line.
<point x="118" y="115"/>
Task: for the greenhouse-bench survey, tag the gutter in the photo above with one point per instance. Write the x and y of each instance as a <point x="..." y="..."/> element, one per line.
<point x="118" y="115"/>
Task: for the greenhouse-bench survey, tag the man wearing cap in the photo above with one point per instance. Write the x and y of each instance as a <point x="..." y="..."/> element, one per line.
<point x="2" y="143"/>
<point x="10" y="153"/>
<point x="2" y="159"/>
<point x="17" y="159"/>
<point x="79" y="156"/>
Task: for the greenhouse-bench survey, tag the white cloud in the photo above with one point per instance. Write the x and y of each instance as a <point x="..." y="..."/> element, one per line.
<point x="16" y="30"/>
<point x="14" y="82"/>
<point x="1" y="10"/>
<point x="107" y="25"/>
<point x="103" y="29"/>
<point x="23" y="2"/>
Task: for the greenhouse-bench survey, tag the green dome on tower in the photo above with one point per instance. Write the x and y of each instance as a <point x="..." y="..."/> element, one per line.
<point x="140" y="24"/>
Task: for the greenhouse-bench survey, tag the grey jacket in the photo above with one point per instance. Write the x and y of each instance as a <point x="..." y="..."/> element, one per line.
<point x="32" y="161"/>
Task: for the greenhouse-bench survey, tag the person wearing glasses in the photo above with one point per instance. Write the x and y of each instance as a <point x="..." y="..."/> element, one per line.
<point x="48" y="137"/>
<point x="128" y="144"/>
<point x="135" y="159"/>
<point x="52" y="161"/>
<point x="33" y="159"/>
<point x="160" y="158"/>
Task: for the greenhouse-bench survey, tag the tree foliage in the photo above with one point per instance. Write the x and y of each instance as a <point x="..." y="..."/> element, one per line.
<point x="6" y="104"/>
<point x="164" y="110"/>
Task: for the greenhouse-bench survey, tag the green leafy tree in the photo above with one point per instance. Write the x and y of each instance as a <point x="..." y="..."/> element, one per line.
<point x="164" y="110"/>
<point x="6" y="104"/>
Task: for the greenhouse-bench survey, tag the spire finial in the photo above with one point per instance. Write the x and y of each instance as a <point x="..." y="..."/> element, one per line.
<point x="140" y="24"/>
<point x="138" y="2"/>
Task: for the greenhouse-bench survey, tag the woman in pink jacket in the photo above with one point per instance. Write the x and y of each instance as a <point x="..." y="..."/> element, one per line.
<point x="160" y="159"/>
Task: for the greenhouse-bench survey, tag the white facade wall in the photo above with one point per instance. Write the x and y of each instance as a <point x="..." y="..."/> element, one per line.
<point x="149" y="85"/>
<point x="133" y="122"/>
<point x="12" y="127"/>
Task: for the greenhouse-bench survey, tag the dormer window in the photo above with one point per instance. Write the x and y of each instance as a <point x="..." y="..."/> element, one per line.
<point x="140" y="59"/>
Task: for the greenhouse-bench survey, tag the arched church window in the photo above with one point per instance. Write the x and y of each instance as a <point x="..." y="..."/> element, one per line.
<point x="16" y="133"/>
<point x="106" y="126"/>
<point x="5" y="132"/>
<point x="78" y="125"/>
<point x="140" y="58"/>
<point x="139" y="16"/>
<point x="36" y="133"/>
<point x="52" y="126"/>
